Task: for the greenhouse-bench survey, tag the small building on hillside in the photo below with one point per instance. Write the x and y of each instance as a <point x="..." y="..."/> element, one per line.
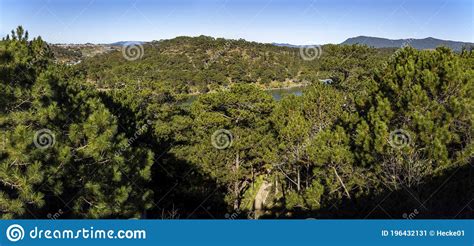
<point x="326" y="81"/>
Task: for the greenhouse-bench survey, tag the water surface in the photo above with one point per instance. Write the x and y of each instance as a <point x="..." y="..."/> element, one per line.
<point x="277" y="94"/>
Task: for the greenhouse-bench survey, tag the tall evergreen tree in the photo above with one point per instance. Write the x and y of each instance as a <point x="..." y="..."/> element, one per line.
<point x="229" y="138"/>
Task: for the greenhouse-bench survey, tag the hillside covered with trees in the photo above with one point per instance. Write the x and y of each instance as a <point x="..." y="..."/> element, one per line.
<point x="202" y="64"/>
<point x="391" y="137"/>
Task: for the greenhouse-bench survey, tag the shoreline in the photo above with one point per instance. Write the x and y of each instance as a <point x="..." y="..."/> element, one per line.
<point x="286" y="87"/>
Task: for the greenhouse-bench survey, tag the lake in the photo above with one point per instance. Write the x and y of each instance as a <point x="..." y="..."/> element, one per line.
<point x="277" y="94"/>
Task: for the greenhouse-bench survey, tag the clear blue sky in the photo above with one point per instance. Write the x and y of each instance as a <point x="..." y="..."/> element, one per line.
<point x="283" y="21"/>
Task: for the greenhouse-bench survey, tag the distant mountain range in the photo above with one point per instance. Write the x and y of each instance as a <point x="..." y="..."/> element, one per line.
<point x="425" y="43"/>
<point x="421" y="44"/>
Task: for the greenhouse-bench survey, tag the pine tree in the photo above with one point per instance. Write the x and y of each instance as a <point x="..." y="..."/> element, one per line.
<point x="418" y="122"/>
<point x="21" y="169"/>
<point x="229" y="138"/>
<point x="63" y="143"/>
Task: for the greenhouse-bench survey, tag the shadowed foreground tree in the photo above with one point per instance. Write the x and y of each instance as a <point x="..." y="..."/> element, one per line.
<point x="414" y="126"/>
<point x="125" y="145"/>
<point x="63" y="148"/>
<point x="228" y="135"/>
<point x="419" y="120"/>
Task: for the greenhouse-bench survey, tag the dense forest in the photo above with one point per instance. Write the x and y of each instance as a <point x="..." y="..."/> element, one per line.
<point x="203" y="64"/>
<point x="113" y="136"/>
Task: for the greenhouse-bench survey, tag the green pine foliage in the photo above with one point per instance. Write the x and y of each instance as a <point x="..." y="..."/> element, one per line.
<point x="235" y="157"/>
<point x="78" y="164"/>
<point x="428" y="95"/>
<point x="113" y="138"/>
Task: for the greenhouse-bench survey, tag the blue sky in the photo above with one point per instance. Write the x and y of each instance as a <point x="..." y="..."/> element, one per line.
<point x="283" y="21"/>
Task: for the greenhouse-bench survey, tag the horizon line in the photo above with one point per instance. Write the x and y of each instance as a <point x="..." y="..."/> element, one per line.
<point x="247" y="40"/>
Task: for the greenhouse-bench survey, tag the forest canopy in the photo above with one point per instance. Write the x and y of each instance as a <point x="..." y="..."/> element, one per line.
<point x="115" y="138"/>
